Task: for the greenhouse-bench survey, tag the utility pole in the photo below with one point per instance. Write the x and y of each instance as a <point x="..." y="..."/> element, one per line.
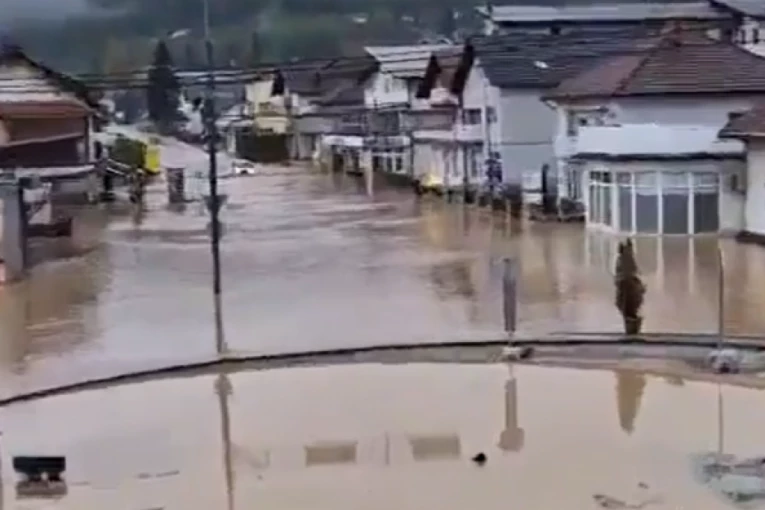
<point x="213" y="204"/>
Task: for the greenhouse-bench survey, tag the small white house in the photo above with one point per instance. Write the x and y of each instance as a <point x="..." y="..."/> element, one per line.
<point x="649" y="179"/>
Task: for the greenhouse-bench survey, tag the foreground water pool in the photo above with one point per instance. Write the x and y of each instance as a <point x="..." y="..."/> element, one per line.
<point x="388" y="436"/>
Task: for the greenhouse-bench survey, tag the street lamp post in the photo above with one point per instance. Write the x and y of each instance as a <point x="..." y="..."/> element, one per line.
<point x="214" y="200"/>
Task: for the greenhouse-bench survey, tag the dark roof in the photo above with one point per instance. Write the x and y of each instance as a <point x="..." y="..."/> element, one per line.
<point x="46" y="109"/>
<point x="750" y="124"/>
<point x="680" y="62"/>
<point x="752" y="8"/>
<point x="317" y="78"/>
<point x="449" y="68"/>
<point x="12" y="53"/>
<point x="544" y="60"/>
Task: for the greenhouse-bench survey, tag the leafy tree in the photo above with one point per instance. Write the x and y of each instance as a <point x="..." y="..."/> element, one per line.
<point x="163" y="89"/>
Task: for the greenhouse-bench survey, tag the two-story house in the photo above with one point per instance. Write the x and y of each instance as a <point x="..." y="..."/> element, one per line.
<point x="516" y="70"/>
<point x="388" y="95"/>
<point x="47" y="119"/>
<point x="682" y="79"/>
<point x="450" y="122"/>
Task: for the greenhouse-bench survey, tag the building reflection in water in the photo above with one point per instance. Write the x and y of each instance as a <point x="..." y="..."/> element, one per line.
<point x="512" y="437"/>
<point x="630" y="386"/>
<point x="435" y="447"/>
<point x="341" y="452"/>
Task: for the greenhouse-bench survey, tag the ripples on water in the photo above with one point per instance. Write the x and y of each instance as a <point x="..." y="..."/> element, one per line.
<point x="310" y="262"/>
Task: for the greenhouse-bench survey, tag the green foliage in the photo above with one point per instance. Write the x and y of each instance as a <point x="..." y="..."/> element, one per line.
<point x="128" y="152"/>
<point x="162" y="93"/>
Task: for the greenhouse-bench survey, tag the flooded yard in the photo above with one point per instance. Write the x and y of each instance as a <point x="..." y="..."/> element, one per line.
<point x="311" y="262"/>
<point x="375" y="436"/>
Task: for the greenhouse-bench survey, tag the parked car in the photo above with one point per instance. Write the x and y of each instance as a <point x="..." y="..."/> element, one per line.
<point x="242" y="167"/>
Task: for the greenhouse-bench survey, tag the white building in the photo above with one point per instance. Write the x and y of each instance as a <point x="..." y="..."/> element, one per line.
<point x="661" y="179"/>
<point x="685" y="79"/>
<point x="750" y="127"/>
<point x="453" y="122"/>
<point x="388" y="97"/>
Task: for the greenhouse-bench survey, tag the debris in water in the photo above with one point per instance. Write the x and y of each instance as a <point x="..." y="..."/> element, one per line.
<point x="479" y="458"/>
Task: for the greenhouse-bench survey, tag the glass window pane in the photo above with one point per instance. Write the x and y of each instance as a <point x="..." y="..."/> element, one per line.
<point x="646" y="203"/>
<point x="606" y="197"/>
<point x="592" y="205"/>
<point x="625" y="208"/>
<point x="675" y="212"/>
<point x="706" y="212"/>
<point x="675" y="195"/>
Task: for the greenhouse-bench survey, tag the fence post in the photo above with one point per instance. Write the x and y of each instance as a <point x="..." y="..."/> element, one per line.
<point x="721" y="300"/>
<point x="510" y="294"/>
<point x="176" y="193"/>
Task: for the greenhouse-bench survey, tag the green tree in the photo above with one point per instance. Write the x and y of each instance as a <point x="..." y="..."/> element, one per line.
<point x="163" y="89"/>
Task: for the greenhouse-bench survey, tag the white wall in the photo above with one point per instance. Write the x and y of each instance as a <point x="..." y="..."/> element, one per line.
<point x="383" y="89"/>
<point x="755" y="188"/>
<point x="524" y="135"/>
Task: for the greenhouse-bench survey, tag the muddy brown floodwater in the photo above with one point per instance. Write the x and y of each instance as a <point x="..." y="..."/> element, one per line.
<point x="373" y="436"/>
<point x="310" y="262"/>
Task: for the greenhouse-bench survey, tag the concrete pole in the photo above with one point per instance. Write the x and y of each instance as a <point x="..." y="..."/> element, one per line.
<point x="14" y="241"/>
<point x="510" y="295"/>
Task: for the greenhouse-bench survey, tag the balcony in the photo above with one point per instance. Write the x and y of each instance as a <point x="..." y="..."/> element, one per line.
<point x="469" y="132"/>
<point x="435" y="119"/>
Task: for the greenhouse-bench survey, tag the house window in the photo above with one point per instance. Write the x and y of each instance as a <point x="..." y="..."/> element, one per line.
<point x="648" y="202"/>
<point x="471" y="116"/>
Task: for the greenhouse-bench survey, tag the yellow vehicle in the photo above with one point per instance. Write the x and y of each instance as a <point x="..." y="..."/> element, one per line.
<point x="151" y="159"/>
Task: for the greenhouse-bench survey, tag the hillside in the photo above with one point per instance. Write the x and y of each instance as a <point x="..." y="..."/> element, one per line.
<point x="121" y="36"/>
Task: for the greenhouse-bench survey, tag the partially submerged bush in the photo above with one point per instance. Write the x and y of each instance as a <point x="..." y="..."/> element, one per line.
<point x="128" y="152"/>
<point x="630" y="289"/>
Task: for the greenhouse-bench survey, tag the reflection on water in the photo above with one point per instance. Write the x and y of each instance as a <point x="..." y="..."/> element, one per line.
<point x="629" y="393"/>
<point x="367" y="436"/>
<point x="310" y="262"/>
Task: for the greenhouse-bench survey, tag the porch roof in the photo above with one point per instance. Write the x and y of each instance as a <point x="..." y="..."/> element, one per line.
<point x="43" y="109"/>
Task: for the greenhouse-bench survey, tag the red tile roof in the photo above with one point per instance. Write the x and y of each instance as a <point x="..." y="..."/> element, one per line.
<point x="43" y="109"/>
<point x="680" y="62"/>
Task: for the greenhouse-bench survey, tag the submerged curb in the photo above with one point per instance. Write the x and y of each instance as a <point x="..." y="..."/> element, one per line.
<point x="381" y="354"/>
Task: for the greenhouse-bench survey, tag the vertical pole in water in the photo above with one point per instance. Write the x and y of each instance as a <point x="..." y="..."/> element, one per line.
<point x="370" y="181"/>
<point x="510" y="294"/>
<point x="14" y="235"/>
<point x="721" y="301"/>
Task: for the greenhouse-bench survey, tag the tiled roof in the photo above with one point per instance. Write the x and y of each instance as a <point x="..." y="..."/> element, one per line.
<point x="11" y="52"/>
<point x="544" y="60"/>
<point x="319" y="78"/>
<point x="678" y="63"/>
<point x="405" y="61"/>
<point x="753" y="8"/>
<point x="625" y="11"/>
<point x="43" y="109"/>
<point x="746" y="125"/>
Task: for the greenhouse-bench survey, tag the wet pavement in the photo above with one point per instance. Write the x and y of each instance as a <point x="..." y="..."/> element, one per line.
<point x="310" y="262"/>
<point x="372" y="436"/>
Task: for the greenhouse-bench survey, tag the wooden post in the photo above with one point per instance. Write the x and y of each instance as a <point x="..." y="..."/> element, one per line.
<point x="510" y="295"/>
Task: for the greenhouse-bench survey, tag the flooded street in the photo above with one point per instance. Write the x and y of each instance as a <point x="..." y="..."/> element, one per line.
<point x="374" y="436"/>
<point x="310" y="262"/>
